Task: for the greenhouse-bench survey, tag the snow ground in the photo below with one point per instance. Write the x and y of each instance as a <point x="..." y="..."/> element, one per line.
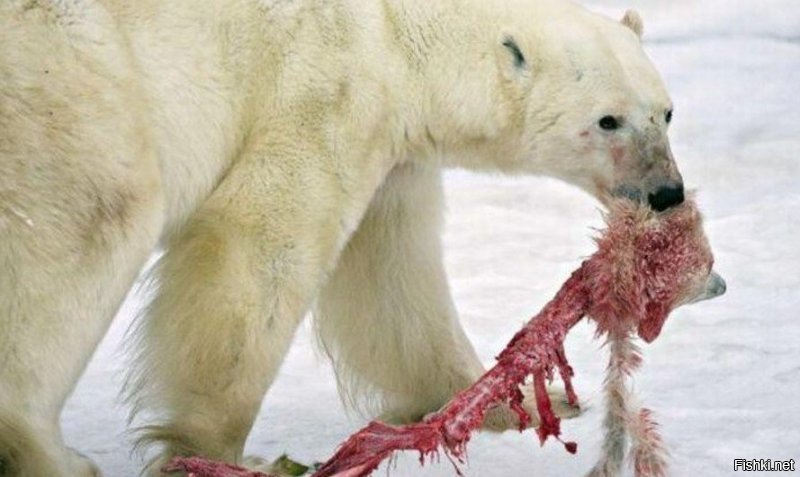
<point x="724" y="378"/>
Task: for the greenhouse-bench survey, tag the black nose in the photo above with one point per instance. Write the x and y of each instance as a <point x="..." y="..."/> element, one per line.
<point x="666" y="197"/>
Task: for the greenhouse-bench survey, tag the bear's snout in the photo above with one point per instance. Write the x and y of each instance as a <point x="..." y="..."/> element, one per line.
<point x="666" y="197"/>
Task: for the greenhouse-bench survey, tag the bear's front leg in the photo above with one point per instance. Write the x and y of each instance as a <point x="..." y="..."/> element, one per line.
<point x="233" y="285"/>
<point x="386" y="316"/>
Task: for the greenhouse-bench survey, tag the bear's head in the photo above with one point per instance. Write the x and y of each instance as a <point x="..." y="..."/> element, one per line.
<point x="574" y="96"/>
<point x="597" y="111"/>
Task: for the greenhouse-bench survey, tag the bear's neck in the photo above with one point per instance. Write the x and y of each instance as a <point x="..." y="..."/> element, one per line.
<point x="447" y="49"/>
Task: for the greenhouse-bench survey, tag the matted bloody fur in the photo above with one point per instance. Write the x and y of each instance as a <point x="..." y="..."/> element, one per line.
<point x="647" y="263"/>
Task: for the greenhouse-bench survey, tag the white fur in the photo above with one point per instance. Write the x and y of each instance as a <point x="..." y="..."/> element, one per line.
<point x="284" y="153"/>
<point x="385" y="315"/>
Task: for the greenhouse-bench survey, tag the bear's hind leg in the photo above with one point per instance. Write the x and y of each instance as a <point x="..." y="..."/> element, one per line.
<point x="80" y="212"/>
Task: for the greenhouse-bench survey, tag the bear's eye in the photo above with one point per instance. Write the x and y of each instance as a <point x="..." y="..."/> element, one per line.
<point x="609" y="123"/>
<point x="668" y="116"/>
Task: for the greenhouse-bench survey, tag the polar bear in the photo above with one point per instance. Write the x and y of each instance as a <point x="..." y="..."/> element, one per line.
<point x="286" y="156"/>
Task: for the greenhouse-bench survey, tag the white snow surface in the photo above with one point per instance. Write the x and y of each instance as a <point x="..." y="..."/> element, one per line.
<point x="723" y="379"/>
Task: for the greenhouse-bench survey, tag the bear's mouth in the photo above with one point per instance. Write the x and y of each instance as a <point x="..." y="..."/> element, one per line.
<point x="627" y="191"/>
<point x="660" y="199"/>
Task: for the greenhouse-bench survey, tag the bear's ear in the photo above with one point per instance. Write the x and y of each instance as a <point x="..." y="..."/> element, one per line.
<point x="511" y="59"/>
<point x="634" y="21"/>
<point x="516" y="53"/>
